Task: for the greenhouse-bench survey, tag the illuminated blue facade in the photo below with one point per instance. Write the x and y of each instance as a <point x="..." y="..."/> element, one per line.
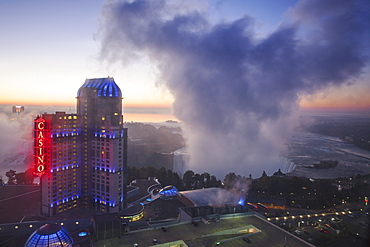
<point x="61" y="186"/>
<point x="106" y="87"/>
<point x="104" y="145"/>
<point x="86" y="153"/>
<point x="50" y="235"/>
<point x="169" y="191"/>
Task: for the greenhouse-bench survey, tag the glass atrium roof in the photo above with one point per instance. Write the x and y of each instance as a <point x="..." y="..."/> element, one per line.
<point x="169" y="190"/>
<point x="50" y="235"/>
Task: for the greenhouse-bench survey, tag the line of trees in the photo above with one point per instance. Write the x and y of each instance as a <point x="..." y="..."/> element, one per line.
<point x="26" y="177"/>
<point x="190" y="180"/>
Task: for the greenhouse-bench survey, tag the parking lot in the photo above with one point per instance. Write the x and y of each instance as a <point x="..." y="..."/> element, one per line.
<point x="323" y="229"/>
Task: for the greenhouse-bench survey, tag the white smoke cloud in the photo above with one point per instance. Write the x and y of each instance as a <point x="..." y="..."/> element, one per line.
<point x="10" y="134"/>
<point x="15" y="142"/>
<point x="235" y="93"/>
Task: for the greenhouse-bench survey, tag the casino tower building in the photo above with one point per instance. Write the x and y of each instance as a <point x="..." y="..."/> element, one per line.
<point x="81" y="158"/>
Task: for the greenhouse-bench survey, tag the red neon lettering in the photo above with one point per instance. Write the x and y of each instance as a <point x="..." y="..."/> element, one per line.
<point x="41" y="135"/>
<point x="40" y="168"/>
<point x="40" y="159"/>
<point x="41" y="125"/>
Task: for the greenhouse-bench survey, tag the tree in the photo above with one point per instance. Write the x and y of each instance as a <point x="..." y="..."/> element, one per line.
<point x="264" y="174"/>
<point x="188" y="179"/>
<point x="29" y="176"/>
<point x="229" y="180"/>
<point x="20" y="177"/>
<point x="205" y="177"/>
<point x="162" y="176"/>
<point x="214" y="182"/>
<point x="177" y="181"/>
<point x="11" y="176"/>
<point x="197" y="181"/>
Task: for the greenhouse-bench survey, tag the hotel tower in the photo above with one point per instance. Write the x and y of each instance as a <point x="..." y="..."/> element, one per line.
<point x="81" y="158"/>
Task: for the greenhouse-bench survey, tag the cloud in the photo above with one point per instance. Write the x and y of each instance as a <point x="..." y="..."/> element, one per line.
<point x="236" y="93"/>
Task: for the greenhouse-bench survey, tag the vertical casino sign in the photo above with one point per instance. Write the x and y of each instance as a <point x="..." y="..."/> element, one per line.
<point x="41" y="140"/>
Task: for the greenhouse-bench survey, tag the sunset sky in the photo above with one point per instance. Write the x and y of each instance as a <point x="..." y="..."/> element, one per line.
<point x="48" y="49"/>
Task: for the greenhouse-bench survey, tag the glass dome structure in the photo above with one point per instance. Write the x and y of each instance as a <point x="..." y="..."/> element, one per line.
<point x="106" y="87"/>
<point x="169" y="191"/>
<point x="50" y="235"/>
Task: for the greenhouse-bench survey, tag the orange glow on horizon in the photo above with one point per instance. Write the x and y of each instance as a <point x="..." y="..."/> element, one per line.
<point x="73" y="103"/>
<point x="350" y="97"/>
<point x="144" y="117"/>
<point x="38" y="102"/>
<point x="335" y="104"/>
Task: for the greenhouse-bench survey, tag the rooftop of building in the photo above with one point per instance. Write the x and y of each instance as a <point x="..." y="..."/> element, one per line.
<point x="211" y="197"/>
<point x="106" y="87"/>
<point x="143" y="185"/>
<point x="229" y="230"/>
<point x="50" y="235"/>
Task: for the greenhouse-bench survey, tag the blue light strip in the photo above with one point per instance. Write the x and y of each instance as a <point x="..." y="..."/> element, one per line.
<point x="105" y="169"/>
<point x="110" y="91"/>
<point x="66" y="167"/>
<point x="65" y="134"/>
<point x="99" y="133"/>
<point x="62" y="201"/>
<point x="105" y="202"/>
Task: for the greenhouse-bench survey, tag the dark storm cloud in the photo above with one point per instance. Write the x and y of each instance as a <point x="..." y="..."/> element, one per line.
<point x="237" y="94"/>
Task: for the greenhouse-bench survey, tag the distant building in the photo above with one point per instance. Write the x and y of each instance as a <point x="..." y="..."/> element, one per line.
<point x="17" y="109"/>
<point x="81" y="158"/>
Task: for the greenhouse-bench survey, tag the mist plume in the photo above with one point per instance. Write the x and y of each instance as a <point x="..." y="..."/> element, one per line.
<point x="15" y="142"/>
<point x="235" y="92"/>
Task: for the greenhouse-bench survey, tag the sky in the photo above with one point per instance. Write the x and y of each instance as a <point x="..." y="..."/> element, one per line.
<point x="48" y="49"/>
<point x="236" y="73"/>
